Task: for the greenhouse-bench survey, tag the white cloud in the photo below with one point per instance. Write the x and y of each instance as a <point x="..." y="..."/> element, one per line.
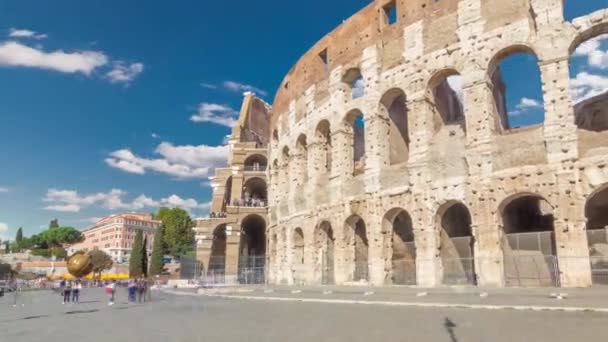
<point x="241" y="87"/>
<point x="155" y="136"/>
<point x="215" y="113"/>
<point x="208" y="85"/>
<point x="15" y="54"/>
<point x="23" y="33"/>
<point x="4" y="231"/>
<point x="586" y="85"/>
<point x="182" y="162"/>
<point x="72" y="201"/>
<point x="592" y="50"/>
<point x="524" y="105"/>
<point x="4" y="190"/>
<point x="124" y="73"/>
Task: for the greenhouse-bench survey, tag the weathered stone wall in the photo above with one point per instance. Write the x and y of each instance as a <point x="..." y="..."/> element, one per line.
<point x="476" y="162"/>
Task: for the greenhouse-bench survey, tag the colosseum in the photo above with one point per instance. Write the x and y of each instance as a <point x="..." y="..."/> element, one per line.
<point x="381" y="173"/>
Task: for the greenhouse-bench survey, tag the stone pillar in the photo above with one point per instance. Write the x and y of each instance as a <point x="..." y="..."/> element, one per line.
<point x="233" y="241"/>
<point x="376" y="260"/>
<point x="203" y="253"/>
<point x="237" y="186"/>
<point x="428" y="262"/>
<point x="342" y="153"/>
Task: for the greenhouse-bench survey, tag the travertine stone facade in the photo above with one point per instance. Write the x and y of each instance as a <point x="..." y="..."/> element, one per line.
<point x="431" y="178"/>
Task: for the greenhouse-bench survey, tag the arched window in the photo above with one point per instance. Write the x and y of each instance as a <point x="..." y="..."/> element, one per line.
<point x="394" y="107"/>
<point x="446" y="89"/>
<point x="302" y="152"/>
<point x="356" y="123"/>
<point x="517" y="88"/>
<point x="323" y="139"/>
<point x="355" y="82"/>
<point x="256" y="162"/>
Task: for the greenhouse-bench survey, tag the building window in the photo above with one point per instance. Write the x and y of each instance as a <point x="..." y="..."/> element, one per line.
<point x="390" y="12"/>
<point x="324" y="59"/>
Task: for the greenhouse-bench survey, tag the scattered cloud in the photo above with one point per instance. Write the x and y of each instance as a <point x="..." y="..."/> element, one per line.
<point x="15" y="54"/>
<point x="524" y="105"/>
<point x="72" y="201"/>
<point x="122" y="72"/>
<point x="155" y="136"/>
<point x="4" y="190"/>
<point x="241" y="87"/>
<point x="597" y="57"/>
<point x="235" y="87"/>
<point x="181" y="162"/>
<point x="23" y="33"/>
<point x="4" y="231"/>
<point x="215" y="113"/>
<point x="586" y="85"/>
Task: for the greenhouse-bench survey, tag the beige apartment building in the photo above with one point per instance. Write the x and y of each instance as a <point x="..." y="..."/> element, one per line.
<point x="115" y="235"/>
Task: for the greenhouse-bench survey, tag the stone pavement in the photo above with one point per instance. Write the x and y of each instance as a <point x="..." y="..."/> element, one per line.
<point x="198" y="318"/>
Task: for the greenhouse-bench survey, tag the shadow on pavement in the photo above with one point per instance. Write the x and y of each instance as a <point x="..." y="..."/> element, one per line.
<point x="449" y="327"/>
<point x="81" y="311"/>
<point x="34" y="317"/>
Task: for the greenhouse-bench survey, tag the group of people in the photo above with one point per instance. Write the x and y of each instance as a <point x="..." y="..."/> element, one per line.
<point x="217" y="215"/>
<point x="249" y="202"/>
<point x="137" y="289"/>
<point x="71" y="291"/>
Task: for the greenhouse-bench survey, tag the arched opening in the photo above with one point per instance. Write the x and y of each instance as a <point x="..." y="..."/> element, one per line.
<point x="302" y="152"/>
<point x="255" y="193"/>
<point x="356" y="124"/>
<point x="324" y="245"/>
<point x="529" y="241"/>
<point x="596" y="211"/>
<point x="589" y="90"/>
<point x="447" y="98"/>
<point x="355" y="82"/>
<point x="275" y="136"/>
<point x="574" y="9"/>
<point x="284" y="172"/>
<point x="298" y="256"/>
<point x="323" y="137"/>
<point x="394" y="107"/>
<point x="252" y="259"/>
<point x="356" y="244"/>
<point x="456" y="244"/>
<point x="399" y="240"/>
<point x="256" y="162"/>
<point x="217" y="260"/>
<point x="517" y="88"/>
<point x="227" y="194"/>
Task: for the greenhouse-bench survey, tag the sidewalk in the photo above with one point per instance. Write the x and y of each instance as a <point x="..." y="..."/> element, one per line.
<point x="591" y="299"/>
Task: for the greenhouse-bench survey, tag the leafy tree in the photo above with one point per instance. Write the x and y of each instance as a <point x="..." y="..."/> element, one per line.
<point x="61" y="235"/>
<point x="136" y="259"/>
<point x="178" y="233"/>
<point x="54" y="224"/>
<point x="144" y="257"/>
<point x="101" y="261"/>
<point x="162" y="213"/>
<point x="158" y="251"/>
<point x="19" y="236"/>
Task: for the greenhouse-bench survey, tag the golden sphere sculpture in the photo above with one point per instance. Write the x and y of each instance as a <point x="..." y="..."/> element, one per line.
<point x="80" y="264"/>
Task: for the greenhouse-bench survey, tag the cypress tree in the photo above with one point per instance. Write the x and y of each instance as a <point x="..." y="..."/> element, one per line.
<point x="144" y="259"/>
<point x="19" y="237"/>
<point x="136" y="259"/>
<point x="156" y="260"/>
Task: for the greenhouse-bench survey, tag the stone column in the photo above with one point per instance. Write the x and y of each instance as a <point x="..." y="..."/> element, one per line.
<point x="376" y="260"/>
<point x="237" y="186"/>
<point x="342" y="153"/>
<point x="233" y="240"/>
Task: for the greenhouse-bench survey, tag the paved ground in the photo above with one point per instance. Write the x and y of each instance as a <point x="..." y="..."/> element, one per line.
<point x="188" y="318"/>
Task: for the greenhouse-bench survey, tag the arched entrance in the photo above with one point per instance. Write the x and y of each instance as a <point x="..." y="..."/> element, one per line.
<point x="252" y="258"/>
<point x="456" y="244"/>
<point x="399" y="234"/>
<point x="324" y="245"/>
<point x="216" y="269"/>
<point x="528" y="242"/>
<point x="356" y="245"/>
<point x="298" y="256"/>
<point x="596" y="211"/>
<point x="256" y="162"/>
<point x="255" y="193"/>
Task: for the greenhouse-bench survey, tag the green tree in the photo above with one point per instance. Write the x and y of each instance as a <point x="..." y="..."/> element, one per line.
<point x="162" y="213"/>
<point x="54" y="224"/>
<point x="19" y="237"/>
<point x="158" y="251"/>
<point x="136" y="259"/>
<point x="144" y="257"/>
<point x="178" y="232"/>
<point x="7" y="247"/>
<point x="56" y="237"/>
<point x="101" y="261"/>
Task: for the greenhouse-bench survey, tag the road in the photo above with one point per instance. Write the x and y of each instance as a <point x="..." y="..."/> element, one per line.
<point x="193" y="319"/>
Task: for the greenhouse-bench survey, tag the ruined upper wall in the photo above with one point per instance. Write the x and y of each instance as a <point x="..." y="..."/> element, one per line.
<point x="344" y="46"/>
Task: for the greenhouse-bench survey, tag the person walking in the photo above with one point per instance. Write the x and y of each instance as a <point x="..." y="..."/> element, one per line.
<point x="67" y="292"/>
<point x="142" y="287"/>
<point x="76" y="291"/>
<point x="110" y="290"/>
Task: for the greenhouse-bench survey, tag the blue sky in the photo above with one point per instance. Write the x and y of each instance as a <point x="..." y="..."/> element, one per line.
<point x="111" y="106"/>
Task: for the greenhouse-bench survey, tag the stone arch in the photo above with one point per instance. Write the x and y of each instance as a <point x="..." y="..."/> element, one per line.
<point x="528" y="240"/>
<point x="298" y="256"/>
<point x="445" y="92"/>
<point x="302" y="156"/>
<point x="255" y="192"/>
<point x="323" y="140"/>
<point x="393" y="106"/>
<point x="453" y="223"/>
<point x="255" y="162"/>
<point x="216" y="268"/>
<point x="507" y="112"/>
<point x="252" y="248"/>
<point x="354" y="123"/>
<point x="356" y="245"/>
<point x="400" y="247"/>
<point x="275" y="135"/>
<point x="354" y="80"/>
<point x="596" y="213"/>
<point x="324" y="249"/>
